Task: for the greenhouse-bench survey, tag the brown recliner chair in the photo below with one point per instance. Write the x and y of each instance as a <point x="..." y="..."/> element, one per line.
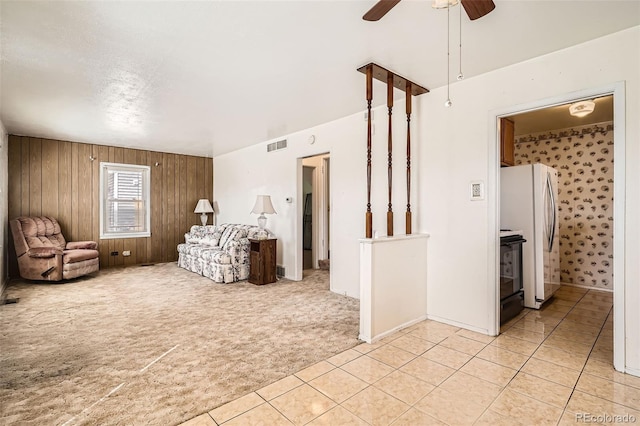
<point x="43" y="253"/>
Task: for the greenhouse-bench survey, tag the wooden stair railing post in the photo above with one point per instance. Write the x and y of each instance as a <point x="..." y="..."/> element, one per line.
<point x="389" y="148"/>
<point x="383" y="75"/>
<point x="408" y="108"/>
<point x="368" y="214"/>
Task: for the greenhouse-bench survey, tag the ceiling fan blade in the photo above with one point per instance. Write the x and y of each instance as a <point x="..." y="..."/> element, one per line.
<point x="477" y="8"/>
<point x="380" y="9"/>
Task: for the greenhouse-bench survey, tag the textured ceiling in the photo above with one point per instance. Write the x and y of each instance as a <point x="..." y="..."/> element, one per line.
<point x="206" y="78"/>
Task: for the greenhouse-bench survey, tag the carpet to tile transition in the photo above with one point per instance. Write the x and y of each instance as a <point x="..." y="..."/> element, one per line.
<point x="158" y="344"/>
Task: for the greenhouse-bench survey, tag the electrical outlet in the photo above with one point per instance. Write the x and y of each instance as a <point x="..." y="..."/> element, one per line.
<point x="477" y="190"/>
<point x="114" y="253"/>
<point x="126" y="253"/>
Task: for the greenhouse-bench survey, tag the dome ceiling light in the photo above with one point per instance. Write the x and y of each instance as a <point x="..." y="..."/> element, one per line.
<point x="582" y="108"/>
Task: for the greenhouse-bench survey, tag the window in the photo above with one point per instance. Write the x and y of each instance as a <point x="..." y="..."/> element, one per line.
<point x="124" y="201"/>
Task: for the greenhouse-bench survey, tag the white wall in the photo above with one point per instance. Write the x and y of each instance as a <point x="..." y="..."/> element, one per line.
<point x="451" y="148"/>
<point x="393" y="284"/>
<point x="4" y="205"/>
<point x="459" y="141"/>
<point x="239" y="176"/>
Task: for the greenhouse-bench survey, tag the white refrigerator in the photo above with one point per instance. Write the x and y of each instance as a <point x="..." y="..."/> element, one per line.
<point x="529" y="201"/>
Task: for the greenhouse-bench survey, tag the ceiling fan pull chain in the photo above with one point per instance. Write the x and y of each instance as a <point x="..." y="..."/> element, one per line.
<point x="448" y="102"/>
<point x="460" y="75"/>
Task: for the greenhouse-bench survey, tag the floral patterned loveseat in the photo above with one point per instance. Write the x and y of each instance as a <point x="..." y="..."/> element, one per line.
<point x="220" y="252"/>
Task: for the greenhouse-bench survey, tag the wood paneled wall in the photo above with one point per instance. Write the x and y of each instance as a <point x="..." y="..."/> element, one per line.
<point x="59" y="179"/>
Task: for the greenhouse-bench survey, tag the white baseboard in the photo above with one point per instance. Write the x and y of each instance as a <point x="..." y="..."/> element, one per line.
<point x="459" y="324"/>
<point x="632" y="372"/>
<point x="393" y="330"/>
<point x="588" y="287"/>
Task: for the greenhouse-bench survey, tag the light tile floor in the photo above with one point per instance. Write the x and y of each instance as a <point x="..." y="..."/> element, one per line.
<point x="552" y="366"/>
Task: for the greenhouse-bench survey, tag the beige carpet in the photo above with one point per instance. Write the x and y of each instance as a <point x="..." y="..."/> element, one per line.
<point x="83" y="352"/>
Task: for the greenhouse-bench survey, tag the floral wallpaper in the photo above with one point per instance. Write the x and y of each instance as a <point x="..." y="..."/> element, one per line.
<point x="583" y="157"/>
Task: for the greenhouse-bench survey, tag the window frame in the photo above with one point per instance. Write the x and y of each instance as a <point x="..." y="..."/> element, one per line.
<point x="105" y="167"/>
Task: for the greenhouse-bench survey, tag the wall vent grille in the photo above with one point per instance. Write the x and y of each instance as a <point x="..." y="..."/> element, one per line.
<point x="280" y="270"/>
<point x="275" y="146"/>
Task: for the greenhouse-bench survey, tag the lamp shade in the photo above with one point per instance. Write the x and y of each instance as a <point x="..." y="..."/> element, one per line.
<point x="203" y="206"/>
<point x="263" y="205"/>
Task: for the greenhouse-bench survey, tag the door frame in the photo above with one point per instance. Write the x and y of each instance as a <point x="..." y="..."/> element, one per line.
<point x="318" y="201"/>
<point x="314" y="225"/>
<point x="616" y="89"/>
<point x="325" y="213"/>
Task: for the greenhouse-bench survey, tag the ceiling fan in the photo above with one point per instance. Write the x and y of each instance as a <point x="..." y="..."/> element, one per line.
<point x="474" y="8"/>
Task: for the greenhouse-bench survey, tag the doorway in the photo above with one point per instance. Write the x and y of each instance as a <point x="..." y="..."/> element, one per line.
<point x="308" y="173"/>
<point x="316" y="196"/>
<point x="581" y="151"/>
<point x="587" y="186"/>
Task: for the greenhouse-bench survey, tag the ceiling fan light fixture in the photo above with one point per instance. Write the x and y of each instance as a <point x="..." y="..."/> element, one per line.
<point x="582" y="108"/>
<point x="443" y="4"/>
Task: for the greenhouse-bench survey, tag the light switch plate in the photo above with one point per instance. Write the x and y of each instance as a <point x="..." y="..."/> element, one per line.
<point x="476" y="189"/>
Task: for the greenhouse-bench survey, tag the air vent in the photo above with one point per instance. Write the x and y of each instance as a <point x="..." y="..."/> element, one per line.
<point x="280" y="270"/>
<point x="275" y="146"/>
